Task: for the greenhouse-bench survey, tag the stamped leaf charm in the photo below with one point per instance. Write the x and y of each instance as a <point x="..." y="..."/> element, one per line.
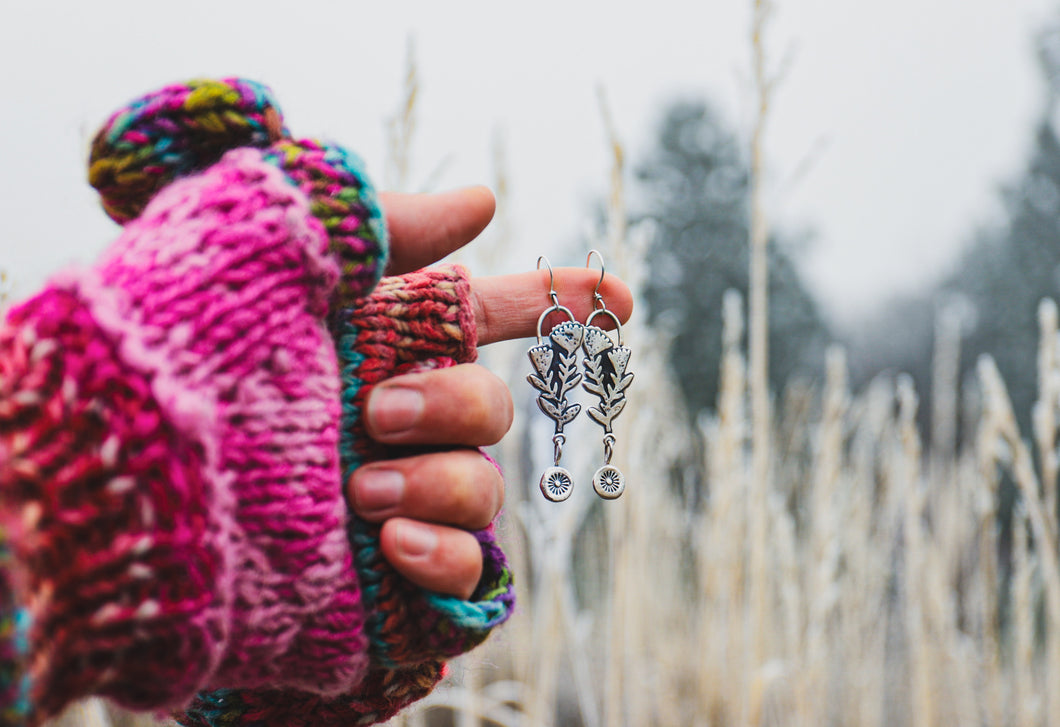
<point x="556" y="372"/>
<point x="606" y="377"/>
<point x="555" y="362"/>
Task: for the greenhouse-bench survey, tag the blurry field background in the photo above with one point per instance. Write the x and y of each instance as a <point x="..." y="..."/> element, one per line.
<point x="842" y="498"/>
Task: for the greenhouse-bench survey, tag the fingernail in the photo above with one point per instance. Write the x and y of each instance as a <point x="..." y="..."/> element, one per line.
<point x="416" y="540"/>
<point x="394" y="409"/>
<point x="378" y="489"/>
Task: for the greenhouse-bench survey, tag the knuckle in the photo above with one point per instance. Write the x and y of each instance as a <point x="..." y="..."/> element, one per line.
<point x="489" y="495"/>
<point x="490" y="409"/>
<point x="500" y="490"/>
<point x="495" y="484"/>
<point x="483" y="320"/>
<point x="463" y="558"/>
<point x="478" y="411"/>
<point x="464" y="487"/>
<point x="456" y="493"/>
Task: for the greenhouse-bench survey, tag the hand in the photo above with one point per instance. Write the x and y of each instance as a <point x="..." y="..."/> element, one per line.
<point x="428" y="502"/>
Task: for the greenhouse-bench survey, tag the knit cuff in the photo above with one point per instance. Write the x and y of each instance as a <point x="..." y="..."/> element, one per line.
<point x="382" y="694"/>
<point x="417" y="321"/>
<point x="14" y="702"/>
<point x="407" y="624"/>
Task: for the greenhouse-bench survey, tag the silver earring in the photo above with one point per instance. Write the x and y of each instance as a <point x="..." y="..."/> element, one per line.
<point x="555" y="374"/>
<point x="605" y="376"/>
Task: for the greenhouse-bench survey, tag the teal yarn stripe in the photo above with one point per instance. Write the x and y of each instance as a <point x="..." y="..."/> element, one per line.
<point x="350" y="360"/>
<point x="480" y="617"/>
<point x="365" y="543"/>
<point x="457" y="615"/>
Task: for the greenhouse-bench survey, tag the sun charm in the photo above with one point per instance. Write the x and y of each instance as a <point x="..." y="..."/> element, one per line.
<point x="556" y="484"/>
<point x="609" y="482"/>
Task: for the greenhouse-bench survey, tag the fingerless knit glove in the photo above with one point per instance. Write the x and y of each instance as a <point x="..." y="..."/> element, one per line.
<point x="170" y="431"/>
<point x="417" y="321"/>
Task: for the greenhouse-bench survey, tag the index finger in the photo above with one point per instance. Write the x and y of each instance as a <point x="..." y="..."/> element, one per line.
<point x="424" y="228"/>
<point x="508" y="306"/>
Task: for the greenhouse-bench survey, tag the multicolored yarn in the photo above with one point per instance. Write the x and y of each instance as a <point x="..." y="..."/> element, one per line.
<point x="421" y="320"/>
<point x="185" y="128"/>
<point x="14" y="704"/>
<point x="176" y="131"/>
<point x="71" y="418"/>
<point x="405" y="624"/>
<point x="171" y="470"/>
<point x="333" y="179"/>
<point x="382" y="694"/>
<point x="171" y="423"/>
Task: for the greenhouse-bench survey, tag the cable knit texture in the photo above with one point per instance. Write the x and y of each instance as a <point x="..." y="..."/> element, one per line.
<point x="175" y="424"/>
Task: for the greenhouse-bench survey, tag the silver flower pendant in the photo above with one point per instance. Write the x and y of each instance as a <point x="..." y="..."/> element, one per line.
<point x="606" y="377"/>
<point x="556" y="372"/>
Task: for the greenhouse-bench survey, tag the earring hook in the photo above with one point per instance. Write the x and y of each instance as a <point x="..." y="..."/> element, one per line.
<point x="599" y="306"/>
<point x="551" y="280"/>
<point x="598" y="300"/>
<point x="552" y="294"/>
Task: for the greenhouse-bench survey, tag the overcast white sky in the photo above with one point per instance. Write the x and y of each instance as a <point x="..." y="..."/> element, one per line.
<point x="912" y="111"/>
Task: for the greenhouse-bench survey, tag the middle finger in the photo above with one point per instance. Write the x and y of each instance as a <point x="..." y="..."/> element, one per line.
<point x="461" y="405"/>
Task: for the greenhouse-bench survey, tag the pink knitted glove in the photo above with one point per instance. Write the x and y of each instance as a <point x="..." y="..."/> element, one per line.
<point x="169" y="426"/>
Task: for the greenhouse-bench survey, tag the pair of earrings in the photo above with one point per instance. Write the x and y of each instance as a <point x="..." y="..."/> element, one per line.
<point x="556" y="372"/>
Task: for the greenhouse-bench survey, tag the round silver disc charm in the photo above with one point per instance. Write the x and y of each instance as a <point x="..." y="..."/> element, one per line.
<point x="609" y="482"/>
<point x="556" y="484"/>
